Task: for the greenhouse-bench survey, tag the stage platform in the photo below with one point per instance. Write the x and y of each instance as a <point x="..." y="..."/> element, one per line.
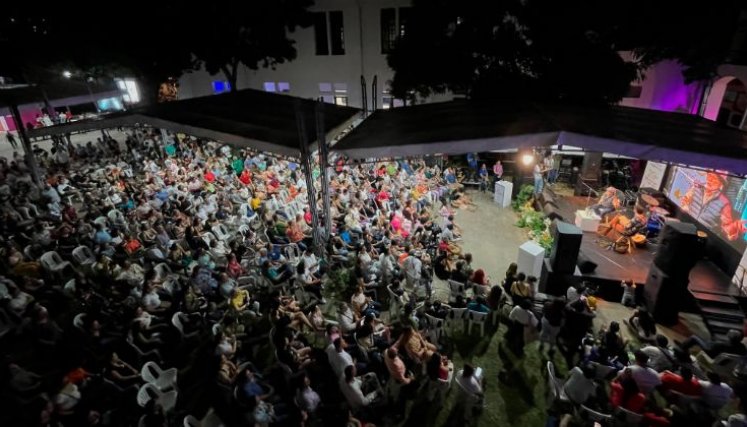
<point x="611" y="266"/>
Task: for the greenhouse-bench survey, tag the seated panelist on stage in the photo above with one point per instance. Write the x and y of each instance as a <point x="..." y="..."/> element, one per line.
<point x="624" y="225"/>
<point x="608" y="202"/>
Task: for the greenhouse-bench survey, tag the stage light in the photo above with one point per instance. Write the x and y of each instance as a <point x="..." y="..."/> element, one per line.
<point x="67" y="74"/>
<point x="527" y="159"/>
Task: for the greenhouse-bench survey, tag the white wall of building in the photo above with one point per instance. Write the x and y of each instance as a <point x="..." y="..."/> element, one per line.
<point x="362" y="37"/>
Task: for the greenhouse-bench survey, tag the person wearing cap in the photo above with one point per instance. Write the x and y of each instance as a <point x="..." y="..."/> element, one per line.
<point x="707" y="204"/>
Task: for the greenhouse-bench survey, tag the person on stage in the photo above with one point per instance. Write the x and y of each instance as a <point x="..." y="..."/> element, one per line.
<point x="608" y="202"/>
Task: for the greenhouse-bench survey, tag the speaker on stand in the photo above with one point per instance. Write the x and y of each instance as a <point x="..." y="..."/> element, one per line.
<point x="680" y="247"/>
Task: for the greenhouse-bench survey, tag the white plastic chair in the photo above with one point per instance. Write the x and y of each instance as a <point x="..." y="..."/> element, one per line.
<point x="435" y="328"/>
<point x="52" y="262"/>
<point x="69" y="288"/>
<point x="478" y="319"/>
<point x="101" y="221"/>
<point x="83" y="256"/>
<point x="208" y="237"/>
<point x="162" y="379"/>
<point x="456" y="289"/>
<point x="163" y="271"/>
<point x="630" y="418"/>
<point x="221" y="232"/>
<point x="177" y="322"/>
<point x="455" y="319"/>
<point x="78" y="321"/>
<point x="394" y="303"/>
<point x="191" y="421"/>
<point x="148" y="391"/>
<point x="554" y="386"/>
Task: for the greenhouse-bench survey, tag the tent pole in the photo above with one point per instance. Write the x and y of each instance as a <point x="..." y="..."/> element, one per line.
<point x="30" y="159"/>
<point x="308" y="172"/>
<point x="321" y="138"/>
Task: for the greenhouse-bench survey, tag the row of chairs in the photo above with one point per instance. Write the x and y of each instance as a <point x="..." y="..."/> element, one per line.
<point x="557" y="395"/>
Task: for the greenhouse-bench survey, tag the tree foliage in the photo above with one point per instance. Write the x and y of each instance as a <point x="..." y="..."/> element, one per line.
<point x="151" y="41"/>
<point x="551" y="50"/>
<point x="254" y="34"/>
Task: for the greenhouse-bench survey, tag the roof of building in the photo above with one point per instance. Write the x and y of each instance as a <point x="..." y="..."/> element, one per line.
<point x="463" y="126"/>
<point x="246" y="118"/>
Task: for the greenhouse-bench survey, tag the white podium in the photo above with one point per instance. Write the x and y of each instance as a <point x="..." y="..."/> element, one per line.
<point x="587" y="220"/>
<point x="502" y="194"/>
<point x="530" y="259"/>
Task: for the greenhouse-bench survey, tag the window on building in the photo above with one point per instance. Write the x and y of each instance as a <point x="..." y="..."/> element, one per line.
<point x="341" y="99"/>
<point x="329" y="99"/>
<point x="220" y="86"/>
<point x="270" y="87"/>
<point x="320" y="33"/>
<point x="404" y="20"/>
<point x="337" y="33"/>
<point x="341" y="87"/>
<point x="325" y="87"/>
<point x="386" y="101"/>
<point x="388" y="29"/>
<point x="284" y="87"/>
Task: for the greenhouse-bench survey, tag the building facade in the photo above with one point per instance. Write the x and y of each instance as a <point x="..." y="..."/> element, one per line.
<point x="349" y="40"/>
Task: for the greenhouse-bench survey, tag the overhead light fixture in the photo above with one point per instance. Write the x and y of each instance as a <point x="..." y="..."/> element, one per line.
<point x="527" y="159"/>
<point x="67" y="74"/>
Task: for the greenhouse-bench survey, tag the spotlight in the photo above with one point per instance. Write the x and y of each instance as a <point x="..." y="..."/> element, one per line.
<point x="527" y="159"/>
<point x="67" y="74"/>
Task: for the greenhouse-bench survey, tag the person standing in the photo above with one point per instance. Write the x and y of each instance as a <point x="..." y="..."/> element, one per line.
<point x="497" y="172"/>
<point x="11" y="140"/>
<point x="483" y="175"/>
<point x="539" y="181"/>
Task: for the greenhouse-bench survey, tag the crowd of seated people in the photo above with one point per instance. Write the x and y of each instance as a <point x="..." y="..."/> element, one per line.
<point x="179" y="278"/>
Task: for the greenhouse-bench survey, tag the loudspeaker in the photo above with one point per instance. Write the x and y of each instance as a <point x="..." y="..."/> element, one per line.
<point x="551" y="211"/>
<point x="664" y="295"/>
<point x="565" y="247"/>
<point x="585" y="265"/>
<point x="679" y="248"/>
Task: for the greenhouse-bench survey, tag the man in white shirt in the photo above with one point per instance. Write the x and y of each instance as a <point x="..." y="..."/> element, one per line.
<point x="645" y="378"/>
<point x="660" y="358"/>
<point x="310" y="262"/>
<point x="413" y="267"/>
<point x="339" y="359"/>
<point x="715" y="393"/>
<point x="469" y="382"/>
<point x="580" y="385"/>
<point x="575" y="292"/>
<point x="352" y="388"/>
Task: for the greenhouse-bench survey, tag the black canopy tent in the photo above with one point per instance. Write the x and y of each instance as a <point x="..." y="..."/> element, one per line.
<point x="458" y="127"/>
<point x="277" y="124"/>
<point x="247" y="118"/>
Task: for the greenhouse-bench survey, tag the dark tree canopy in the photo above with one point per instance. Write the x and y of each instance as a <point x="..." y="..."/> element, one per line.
<point x="551" y="50"/>
<point x="254" y="34"/>
<point x="159" y="40"/>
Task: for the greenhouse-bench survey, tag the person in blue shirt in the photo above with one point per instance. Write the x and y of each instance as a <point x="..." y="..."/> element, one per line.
<point x="101" y="236"/>
<point x="483" y="175"/>
<point x="479" y="305"/>
<point x="472" y="161"/>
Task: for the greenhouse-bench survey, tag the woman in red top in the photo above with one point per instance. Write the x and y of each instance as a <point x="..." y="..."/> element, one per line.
<point x="209" y="176"/>
<point x="234" y="269"/>
<point x="624" y="392"/>
<point x="479" y="277"/>
<point x="245" y="177"/>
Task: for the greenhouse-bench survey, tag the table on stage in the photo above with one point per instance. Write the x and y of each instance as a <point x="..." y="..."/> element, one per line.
<point x="587" y="220"/>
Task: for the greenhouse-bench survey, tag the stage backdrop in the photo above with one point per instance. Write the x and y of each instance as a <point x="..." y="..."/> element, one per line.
<point x="717" y="201"/>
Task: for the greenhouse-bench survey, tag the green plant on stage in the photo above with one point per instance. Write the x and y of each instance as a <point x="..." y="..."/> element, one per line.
<point x="524" y="196"/>
<point x="538" y="226"/>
